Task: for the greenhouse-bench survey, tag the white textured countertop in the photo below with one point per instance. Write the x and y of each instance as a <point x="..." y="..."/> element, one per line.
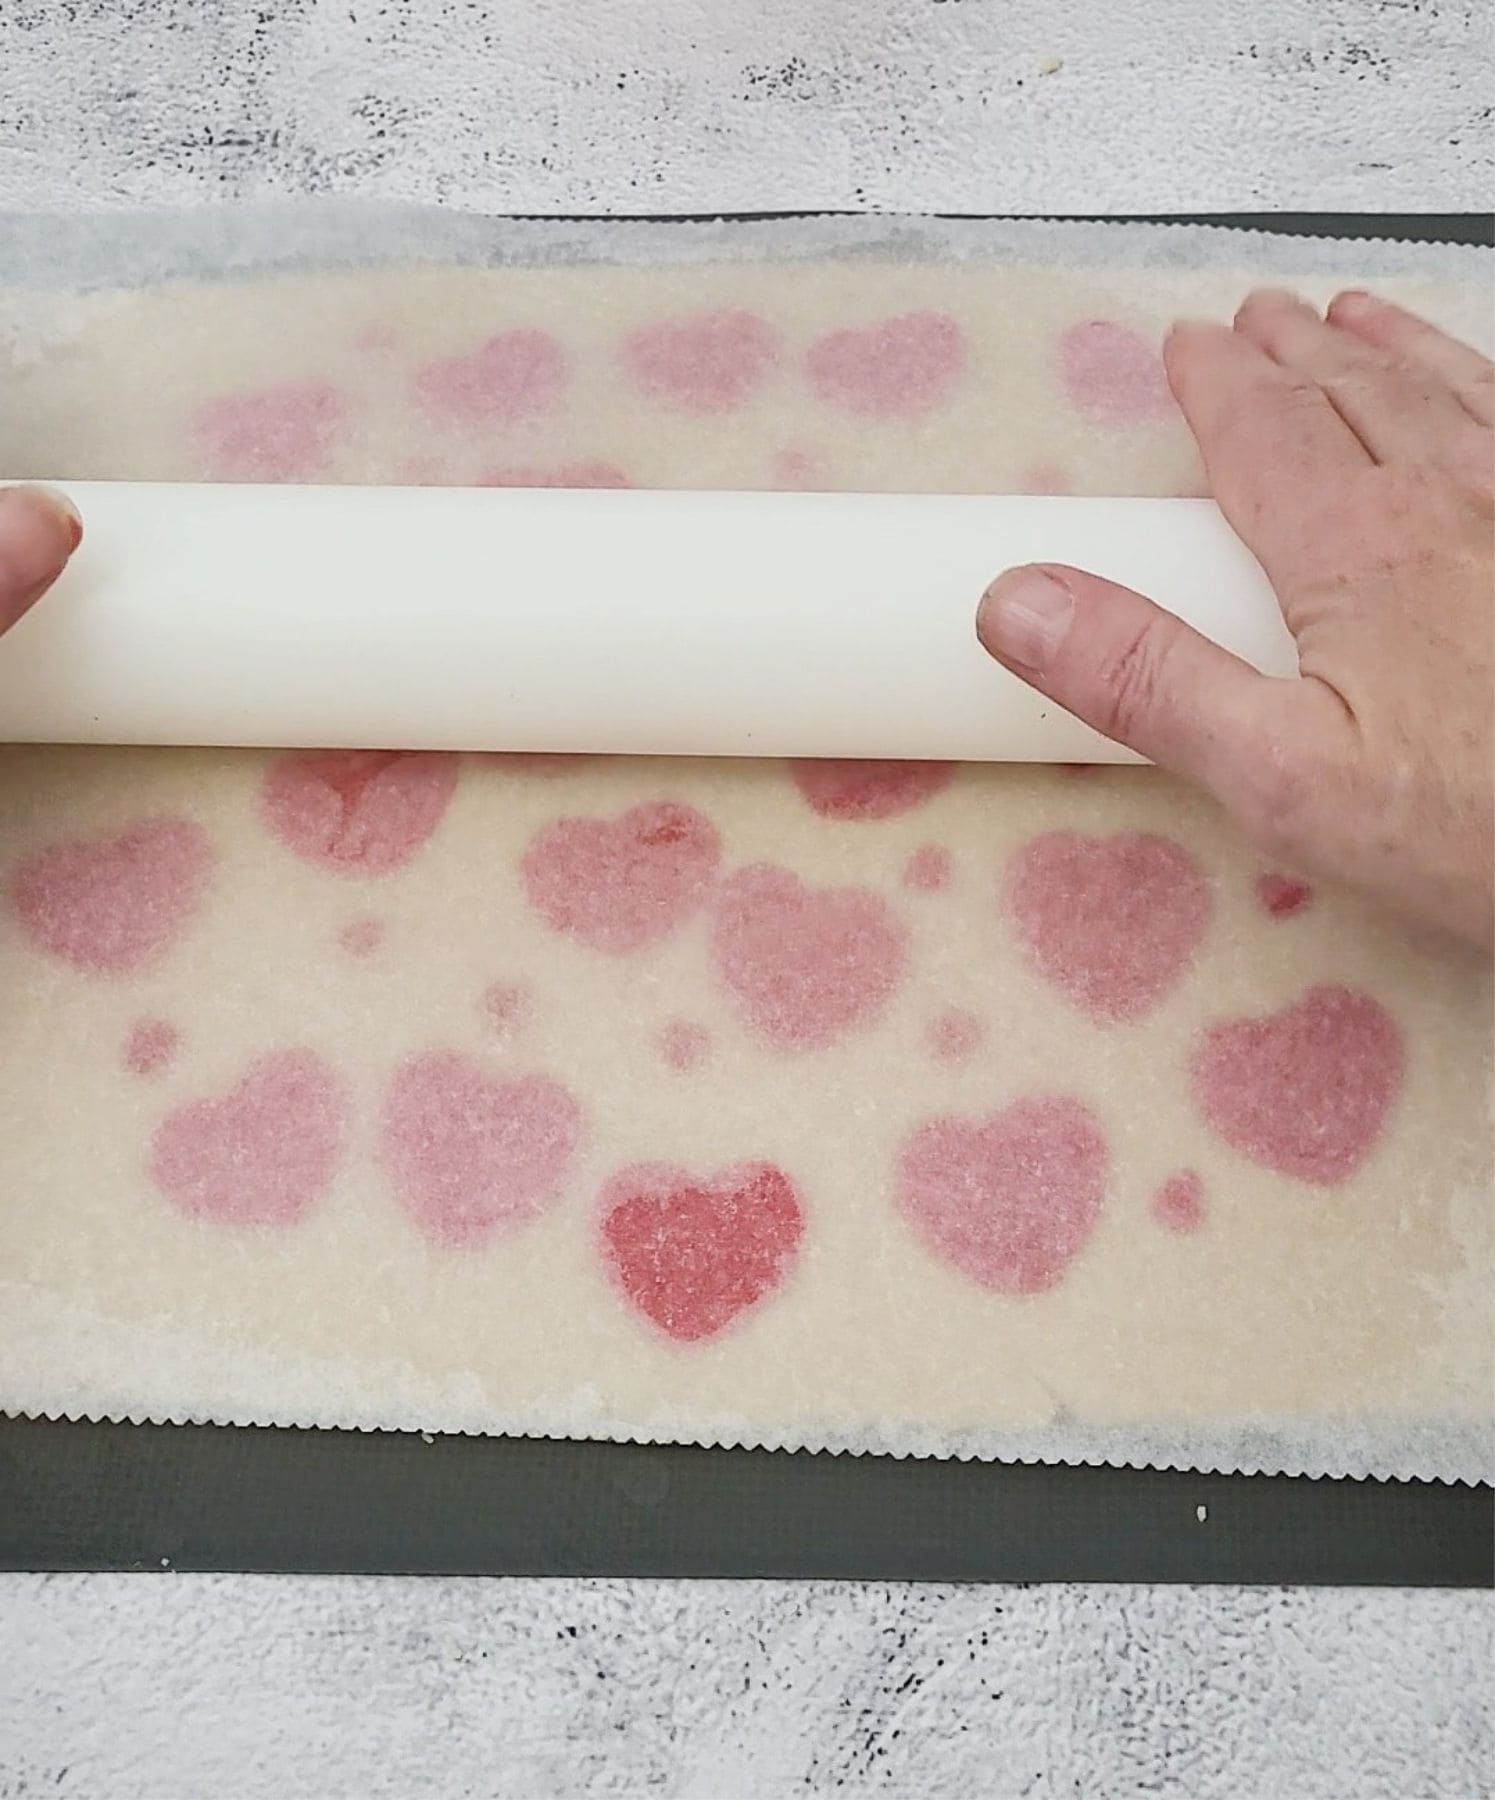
<point x="172" y="1687"/>
<point x="976" y="106"/>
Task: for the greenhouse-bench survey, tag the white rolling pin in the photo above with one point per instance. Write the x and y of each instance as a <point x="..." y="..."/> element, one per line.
<point x="721" y="624"/>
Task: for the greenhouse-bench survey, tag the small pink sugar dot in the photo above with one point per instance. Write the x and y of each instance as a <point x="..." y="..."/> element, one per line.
<point x="1045" y="478"/>
<point x="684" y="1044"/>
<point x="1282" y="895"/>
<point x="361" y="937"/>
<point x="377" y="337"/>
<point x="150" y="1046"/>
<point x="797" y="471"/>
<point x="928" y="869"/>
<point x="1178" y="1205"/>
<point x="506" y="1005"/>
<point x="422" y="471"/>
<point x="954" y="1035"/>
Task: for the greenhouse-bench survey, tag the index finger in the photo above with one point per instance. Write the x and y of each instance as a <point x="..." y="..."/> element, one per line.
<point x="1393" y="328"/>
<point x="1271" y="442"/>
<point x="39" y="531"/>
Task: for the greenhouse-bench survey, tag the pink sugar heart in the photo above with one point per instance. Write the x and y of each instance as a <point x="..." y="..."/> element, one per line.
<point x="1011" y="1200"/>
<point x="1113" y="374"/>
<point x="1113" y="922"/>
<point x="284" y="433"/>
<point x="111" y="905"/>
<point x="622" y="884"/>
<point x="357" y="812"/>
<point x="471" y="1154"/>
<point x="513" y="375"/>
<point x="708" y="363"/>
<point x="263" y="1153"/>
<point x="897" y="368"/>
<point x="806" y="965"/>
<point x="694" y="1252"/>
<point x="849" y="788"/>
<point x="558" y="475"/>
<point x="1305" y="1090"/>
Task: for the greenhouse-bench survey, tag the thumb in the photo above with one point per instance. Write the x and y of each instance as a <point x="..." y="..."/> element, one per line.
<point x="1136" y="673"/>
<point x="39" y="530"/>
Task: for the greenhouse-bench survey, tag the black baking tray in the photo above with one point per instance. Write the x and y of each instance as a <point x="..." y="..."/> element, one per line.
<point x="255" y="1498"/>
<point x="120" y="1496"/>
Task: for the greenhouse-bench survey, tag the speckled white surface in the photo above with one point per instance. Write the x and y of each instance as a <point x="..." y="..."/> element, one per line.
<point x="695" y="105"/>
<point x="243" y="1687"/>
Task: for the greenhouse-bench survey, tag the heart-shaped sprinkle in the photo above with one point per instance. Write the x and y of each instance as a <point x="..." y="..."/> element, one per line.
<point x="692" y="1253"/>
<point x="1112" y="922"/>
<point x="1010" y="1200"/>
<point x="1305" y="1090"/>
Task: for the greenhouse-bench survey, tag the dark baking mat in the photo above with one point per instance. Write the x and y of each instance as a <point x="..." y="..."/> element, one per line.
<point x="214" y="1497"/>
<point x="345" y="1502"/>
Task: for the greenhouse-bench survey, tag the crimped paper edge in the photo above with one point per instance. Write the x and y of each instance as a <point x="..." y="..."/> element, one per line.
<point x="64" y="1344"/>
<point x="92" y="249"/>
<point x="1211" y="1454"/>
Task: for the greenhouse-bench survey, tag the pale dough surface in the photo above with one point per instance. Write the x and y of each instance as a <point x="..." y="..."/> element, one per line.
<point x="1346" y="1319"/>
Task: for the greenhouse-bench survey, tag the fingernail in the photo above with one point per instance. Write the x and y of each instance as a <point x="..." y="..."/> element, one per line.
<point x="1273" y="299"/>
<point x="1024" y="615"/>
<point x="28" y="494"/>
<point x="55" y="497"/>
<point x="1352" y="300"/>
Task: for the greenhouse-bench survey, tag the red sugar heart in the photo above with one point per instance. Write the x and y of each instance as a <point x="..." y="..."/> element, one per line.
<point x="1113" y="374"/>
<point x="1010" y="1200"/>
<point x="839" y="788"/>
<point x="693" y="1252"/>
<point x="806" y="965"/>
<point x="282" y="433"/>
<point x="558" y="475"/>
<point x="357" y="812"/>
<point x="264" y="1152"/>
<point x="111" y="905"/>
<point x="708" y="363"/>
<point x="1305" y="1090"/>
<point x="1113" y="922"/>
<point x="514" y="375"/>
<point x="622" y="884"/>
<point x="471" y="1154"/>
<point x="898" y="368"/>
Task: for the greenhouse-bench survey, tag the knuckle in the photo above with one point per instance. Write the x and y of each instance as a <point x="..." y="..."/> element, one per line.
<point x="1471" y="462"/>
<point x="1298" y="397"/>
<point x="1407" y="494"/>
<point x="1274" y="794"/>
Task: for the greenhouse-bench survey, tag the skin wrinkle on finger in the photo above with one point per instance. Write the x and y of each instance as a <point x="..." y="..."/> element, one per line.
<point x="1272" y="445"/>
<point x="1400" y="412"/>
<point x="1390" y="327"/>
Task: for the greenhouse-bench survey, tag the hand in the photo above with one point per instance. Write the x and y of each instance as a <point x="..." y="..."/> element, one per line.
<point x="39" y="531"/>
<point x="1354" y="454"/>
